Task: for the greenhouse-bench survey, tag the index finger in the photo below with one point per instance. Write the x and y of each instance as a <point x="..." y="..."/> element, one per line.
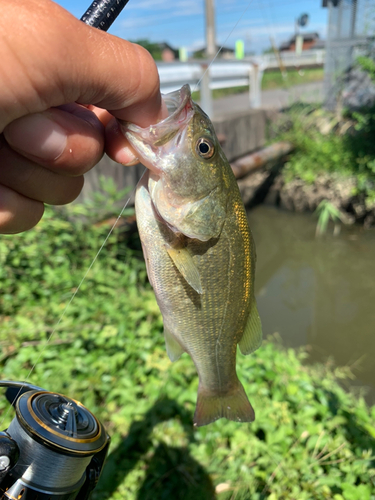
<point x="56" y="59"/>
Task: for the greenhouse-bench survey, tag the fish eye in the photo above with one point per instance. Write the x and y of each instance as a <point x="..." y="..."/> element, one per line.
<point x="205" y="148"/>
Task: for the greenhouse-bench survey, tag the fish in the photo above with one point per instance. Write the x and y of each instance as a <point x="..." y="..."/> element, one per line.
<point x="199" y="252"/>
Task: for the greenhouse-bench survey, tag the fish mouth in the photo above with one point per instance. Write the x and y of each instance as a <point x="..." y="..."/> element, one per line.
<point x="153" y="142"/>
<point x="177" y="102"/>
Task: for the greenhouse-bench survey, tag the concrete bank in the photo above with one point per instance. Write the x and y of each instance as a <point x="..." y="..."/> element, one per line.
<point x="267" y="186"/>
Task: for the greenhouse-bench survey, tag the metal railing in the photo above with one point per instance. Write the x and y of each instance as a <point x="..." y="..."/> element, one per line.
<point x="292" y="60"/>
<point x="231" y="73"/>
<point x="350" y="33"/>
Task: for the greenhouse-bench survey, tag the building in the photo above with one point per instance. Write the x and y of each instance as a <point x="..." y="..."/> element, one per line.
<point x="310" y="41"/>
<point x="168" y="53"/>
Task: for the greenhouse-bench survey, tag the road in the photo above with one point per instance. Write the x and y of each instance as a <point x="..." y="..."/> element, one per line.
<point x="271" y="99"/>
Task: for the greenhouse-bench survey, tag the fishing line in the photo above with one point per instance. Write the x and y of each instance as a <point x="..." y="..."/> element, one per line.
<point x="94" y="15"/>
<point x="81" y="282"/>
<point x="115" y="223"/>
<point x="71" y="299"/>
<point x="159" y="20"/>
<point x="222" y="46"/>
<point x="100" y="14"/>
<point x="267" y="22"/>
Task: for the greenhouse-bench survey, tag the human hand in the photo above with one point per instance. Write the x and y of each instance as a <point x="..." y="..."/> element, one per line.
<point x="50" y="62"/>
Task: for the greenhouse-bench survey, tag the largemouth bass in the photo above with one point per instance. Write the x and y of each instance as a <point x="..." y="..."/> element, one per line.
<point x="199" y="253"/>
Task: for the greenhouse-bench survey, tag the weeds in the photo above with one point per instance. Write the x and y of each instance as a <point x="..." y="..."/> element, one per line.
<point x="326" y="211"/>
<point x="335" y="144"/>
<point x="311" y="440"/>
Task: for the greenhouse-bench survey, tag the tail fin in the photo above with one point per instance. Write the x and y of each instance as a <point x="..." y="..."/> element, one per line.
<point x="233" y="405"/>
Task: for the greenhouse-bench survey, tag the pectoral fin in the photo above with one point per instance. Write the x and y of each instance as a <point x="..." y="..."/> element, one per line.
<point x="174" y="349"/>
<point x="252" y="337"/>
<point x="185" y="264"/>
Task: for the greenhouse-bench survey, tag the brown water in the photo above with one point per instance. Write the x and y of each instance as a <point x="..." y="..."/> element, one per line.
<point x="317" y="291"/>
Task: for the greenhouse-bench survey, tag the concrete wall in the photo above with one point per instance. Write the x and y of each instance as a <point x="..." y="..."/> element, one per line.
<point x="240" y="133"/>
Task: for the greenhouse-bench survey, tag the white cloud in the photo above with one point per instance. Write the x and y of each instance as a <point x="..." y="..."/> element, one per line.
<point x="181" y="23"/>
<point x="196" y="44"/>
<point x="146" y="4"/>
<point x="167" y="12"/>
<point x="286" y="29"/>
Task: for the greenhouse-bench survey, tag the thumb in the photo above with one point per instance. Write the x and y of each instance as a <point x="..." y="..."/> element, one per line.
<point x="53" y="59"/>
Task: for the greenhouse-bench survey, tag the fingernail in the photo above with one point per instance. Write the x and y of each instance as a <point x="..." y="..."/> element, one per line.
<point x="132" y="162"/>
<point x="38" y="136"/>
<point x="126" y="157"/>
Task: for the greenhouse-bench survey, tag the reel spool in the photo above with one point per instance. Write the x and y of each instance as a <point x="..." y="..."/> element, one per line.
<point x="54" y="448"/>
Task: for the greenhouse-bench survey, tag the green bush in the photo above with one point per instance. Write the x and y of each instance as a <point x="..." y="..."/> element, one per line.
<point x="310" y="440"/>
<point x="351" y="154"/>
<point x="333" y="143"/>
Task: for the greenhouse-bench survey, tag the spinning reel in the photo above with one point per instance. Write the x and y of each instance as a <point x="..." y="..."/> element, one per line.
<point x="54" y="448"/>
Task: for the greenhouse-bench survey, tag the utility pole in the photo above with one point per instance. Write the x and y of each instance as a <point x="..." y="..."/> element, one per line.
<point x="353" y="19"/>
<point x="206" y="98"/>
<point x="210" y="29"/>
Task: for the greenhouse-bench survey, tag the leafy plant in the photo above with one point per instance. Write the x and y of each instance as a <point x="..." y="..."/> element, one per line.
<point x="105" y="202"/>
<point x="327" y="143"/>
<point x="155" y="49"/>
<point x="368" y="65"/>
<point x="311" y="439"/>
<point x="322" y="148"/>
<point x="326" y="211"/>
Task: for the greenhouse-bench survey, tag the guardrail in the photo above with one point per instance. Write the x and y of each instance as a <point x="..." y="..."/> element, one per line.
<point x="230" y="73"/>
<point x="292" y="60"/>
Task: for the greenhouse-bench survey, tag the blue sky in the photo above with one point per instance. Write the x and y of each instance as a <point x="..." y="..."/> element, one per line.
<point x="181" y="22"/>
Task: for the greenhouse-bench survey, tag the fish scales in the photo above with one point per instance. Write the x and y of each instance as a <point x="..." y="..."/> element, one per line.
<point x="200" y="256"/>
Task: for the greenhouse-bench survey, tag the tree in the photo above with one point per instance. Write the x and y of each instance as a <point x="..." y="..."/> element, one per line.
<point x="154" y="48"/>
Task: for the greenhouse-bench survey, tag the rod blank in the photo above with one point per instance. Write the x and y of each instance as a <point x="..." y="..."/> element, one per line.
<point x="102" y="13"/>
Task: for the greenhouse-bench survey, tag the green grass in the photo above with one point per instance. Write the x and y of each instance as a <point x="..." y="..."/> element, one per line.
<point x="339" y="143"/>
<point x="317" y="152"/>
<point x="272" y="80"/>
<point x="311" y="439"/>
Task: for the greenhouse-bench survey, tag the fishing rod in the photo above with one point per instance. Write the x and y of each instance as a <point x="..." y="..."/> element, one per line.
<point x="101" y="14"/>
<point x="54" y="448"/>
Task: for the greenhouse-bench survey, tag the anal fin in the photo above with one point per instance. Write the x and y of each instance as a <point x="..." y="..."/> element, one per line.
<point x="184" y="262"/>
<point x="174" y="349"/>
<point x="252" y="336"/>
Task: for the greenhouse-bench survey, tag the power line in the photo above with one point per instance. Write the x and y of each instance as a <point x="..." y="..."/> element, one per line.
<point x="161" y="21"/>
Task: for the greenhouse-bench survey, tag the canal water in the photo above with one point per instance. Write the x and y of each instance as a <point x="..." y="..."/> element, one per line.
<point x="318" y="292"/>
